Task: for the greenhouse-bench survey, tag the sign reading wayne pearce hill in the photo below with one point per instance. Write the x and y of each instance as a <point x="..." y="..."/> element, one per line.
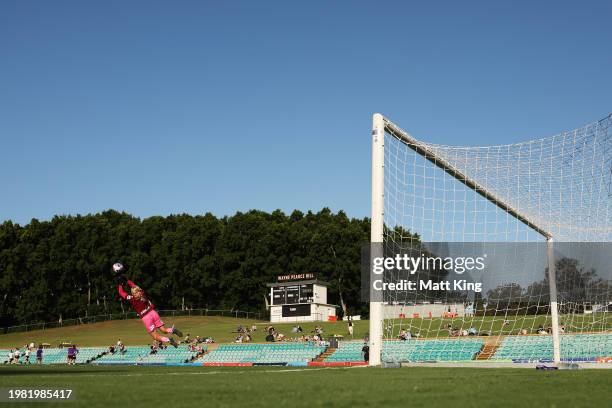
<point x="295" y="277"/>
<point x="511" y="273"/>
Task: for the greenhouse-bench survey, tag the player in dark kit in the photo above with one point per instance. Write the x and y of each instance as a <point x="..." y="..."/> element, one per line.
<point x="143" y="306"/>
<point x="366" y="352"/>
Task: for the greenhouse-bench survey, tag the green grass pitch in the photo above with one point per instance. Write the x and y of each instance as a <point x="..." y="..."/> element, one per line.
<point x="316" y="387"/>
<point x="130" y="386"/>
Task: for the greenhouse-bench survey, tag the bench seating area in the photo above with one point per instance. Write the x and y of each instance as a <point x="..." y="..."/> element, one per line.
<point x="412" y="350"/>
<point x="573" y="347"/>
<point x="86" y="354"/>
<point x="58" y="355"/>
<point x="347" y="351"/>
<point x="431" y="350"/>
<point x="142" y="355"/>
<point x="264" y="353"/>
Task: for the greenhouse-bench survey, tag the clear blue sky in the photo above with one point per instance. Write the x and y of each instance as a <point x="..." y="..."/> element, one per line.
<point x="159" y="107"/>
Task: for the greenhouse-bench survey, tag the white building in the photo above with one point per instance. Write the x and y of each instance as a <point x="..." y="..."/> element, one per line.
<point x="300" y="298"/>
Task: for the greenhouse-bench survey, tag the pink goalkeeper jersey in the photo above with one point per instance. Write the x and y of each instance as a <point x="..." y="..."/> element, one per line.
<point x="142" y="306"/>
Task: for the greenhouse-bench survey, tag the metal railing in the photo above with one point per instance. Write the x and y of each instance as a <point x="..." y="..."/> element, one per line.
<point x="239" y="314"/>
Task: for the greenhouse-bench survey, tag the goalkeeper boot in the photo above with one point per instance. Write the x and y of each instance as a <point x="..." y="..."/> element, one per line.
<point x="177" y="331"/>
<point x="173" y="342"/>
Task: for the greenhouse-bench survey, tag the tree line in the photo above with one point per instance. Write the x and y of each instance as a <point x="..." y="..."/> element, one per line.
<point x="60" y="268"/>
<point x="576" y="287"/>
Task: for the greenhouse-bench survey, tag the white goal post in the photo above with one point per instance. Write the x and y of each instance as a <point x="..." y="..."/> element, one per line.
<point x="549" y="190"/>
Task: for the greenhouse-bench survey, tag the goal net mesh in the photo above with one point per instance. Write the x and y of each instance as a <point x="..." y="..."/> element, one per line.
<point x="513" y="198"/>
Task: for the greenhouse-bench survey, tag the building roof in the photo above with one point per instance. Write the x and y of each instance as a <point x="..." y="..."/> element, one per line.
<point x="297" y="283"/>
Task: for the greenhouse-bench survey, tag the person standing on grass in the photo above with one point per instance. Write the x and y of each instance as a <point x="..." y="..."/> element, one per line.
<point x="350" y="327"/>
<point x="366" y="352"/>
<point x="144" y="308"/>
<point x="72" y="353"/>
<point x="27" y="356"/>
<point x="39" y="354"/>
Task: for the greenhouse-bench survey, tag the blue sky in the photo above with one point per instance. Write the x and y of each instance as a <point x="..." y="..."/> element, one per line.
<point x="163" y="107"/>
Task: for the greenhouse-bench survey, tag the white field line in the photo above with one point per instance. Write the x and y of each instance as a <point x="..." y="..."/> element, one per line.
<point x="105" y="374"/>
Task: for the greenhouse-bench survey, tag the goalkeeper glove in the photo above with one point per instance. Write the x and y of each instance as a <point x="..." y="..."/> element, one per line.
<point x="121" y="279"/>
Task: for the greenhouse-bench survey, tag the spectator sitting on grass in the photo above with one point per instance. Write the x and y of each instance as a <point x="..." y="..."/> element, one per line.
<point x="402" y="335"/>
<point x="187" y="338"/>
<point x="472" y="331"/>
<point x="405" y="334"/>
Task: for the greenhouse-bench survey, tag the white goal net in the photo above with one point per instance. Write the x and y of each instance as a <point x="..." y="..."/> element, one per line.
<point x="539" y="210"/>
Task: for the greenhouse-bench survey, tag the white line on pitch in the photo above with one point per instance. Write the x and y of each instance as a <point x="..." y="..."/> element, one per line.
<point x="61" y="375"/>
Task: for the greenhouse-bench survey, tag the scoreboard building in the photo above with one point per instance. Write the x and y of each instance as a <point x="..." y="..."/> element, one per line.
<point x="300" y="298"/>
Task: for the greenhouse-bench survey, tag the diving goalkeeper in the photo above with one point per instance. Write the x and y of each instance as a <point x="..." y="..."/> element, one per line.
<point x="144" y="308"/>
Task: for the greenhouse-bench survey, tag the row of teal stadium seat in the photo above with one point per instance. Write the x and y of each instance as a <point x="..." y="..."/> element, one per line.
<point x="58" y="355"/>
<point x="142" y="355"/>
<point x="264" y="353"/>
<point x="573" y="347"/>
<point x="132" y="355"/>
<point x="413" y="350"/>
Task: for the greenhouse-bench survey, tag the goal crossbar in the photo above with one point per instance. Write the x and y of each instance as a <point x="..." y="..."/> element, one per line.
<point x="435" y="159"/>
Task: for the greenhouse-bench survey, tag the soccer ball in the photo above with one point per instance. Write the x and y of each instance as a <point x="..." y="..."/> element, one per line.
<point x="118" y="268"/>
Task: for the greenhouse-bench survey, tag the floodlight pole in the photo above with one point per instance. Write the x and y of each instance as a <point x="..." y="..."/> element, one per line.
<point x="554" y="311"/>
<point x="376" y="234"/>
